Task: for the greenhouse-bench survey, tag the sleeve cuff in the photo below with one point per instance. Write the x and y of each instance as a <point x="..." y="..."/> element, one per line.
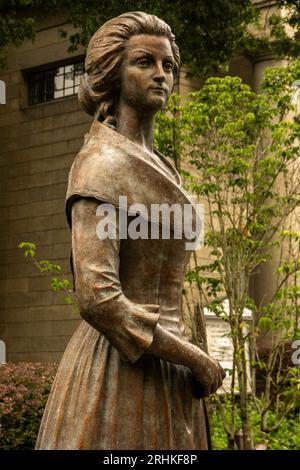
<point x="134" y="335"/>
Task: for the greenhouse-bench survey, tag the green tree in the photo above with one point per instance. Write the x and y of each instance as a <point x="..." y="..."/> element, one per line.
<point x="58" y="283"/>
<point x="17" y="22"/>
<point x="218" y="29"/>
<point x="285" y="29"/>
<point x="243" y="152"/>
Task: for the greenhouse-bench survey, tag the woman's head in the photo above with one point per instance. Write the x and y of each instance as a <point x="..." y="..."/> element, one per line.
<point x="100" y="86"/>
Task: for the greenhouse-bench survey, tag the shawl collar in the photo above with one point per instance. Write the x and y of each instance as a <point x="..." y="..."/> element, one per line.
<point x="109" y="165"/>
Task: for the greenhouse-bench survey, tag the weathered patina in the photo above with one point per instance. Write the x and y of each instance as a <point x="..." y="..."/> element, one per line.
<point x="130" y="378"/>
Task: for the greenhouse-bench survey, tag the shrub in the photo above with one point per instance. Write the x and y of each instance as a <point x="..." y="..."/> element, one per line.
<point x="24" y="388"/>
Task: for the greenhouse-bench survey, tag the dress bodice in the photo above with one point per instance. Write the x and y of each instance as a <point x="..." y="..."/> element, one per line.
<point x="152" y="272"/>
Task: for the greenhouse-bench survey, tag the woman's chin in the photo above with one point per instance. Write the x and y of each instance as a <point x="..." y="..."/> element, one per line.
<point x="157" y="103"/>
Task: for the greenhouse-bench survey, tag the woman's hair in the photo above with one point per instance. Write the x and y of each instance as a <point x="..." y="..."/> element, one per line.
<point x="99" y="87"/>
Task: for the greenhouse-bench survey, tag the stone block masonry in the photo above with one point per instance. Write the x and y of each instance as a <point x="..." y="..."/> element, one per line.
<point x="37" y="146"/>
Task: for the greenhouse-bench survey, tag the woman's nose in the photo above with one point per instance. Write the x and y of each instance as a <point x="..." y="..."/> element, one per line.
<point x="159" y="73"/>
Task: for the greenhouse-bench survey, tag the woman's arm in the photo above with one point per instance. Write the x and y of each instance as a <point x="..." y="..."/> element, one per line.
<point x="132" y="328"/>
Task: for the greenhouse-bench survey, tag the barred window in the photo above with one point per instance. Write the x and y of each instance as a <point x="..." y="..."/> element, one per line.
<point x="56" y="82"/>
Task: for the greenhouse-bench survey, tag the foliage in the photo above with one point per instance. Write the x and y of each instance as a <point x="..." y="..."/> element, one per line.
<point x="285" y="29"/>
<point x="17" y="22"/>
<point x="24" y="389"/>
<point x="286" y="437"/>
<point x="219" y="28"/>
<point x="58" y="284"/>
<point x="240" y="153"/>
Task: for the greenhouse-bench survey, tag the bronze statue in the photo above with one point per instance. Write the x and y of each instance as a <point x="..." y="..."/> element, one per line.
<point x="130" y="378"/>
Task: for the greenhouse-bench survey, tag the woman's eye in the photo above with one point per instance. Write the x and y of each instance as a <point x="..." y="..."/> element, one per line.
<point x="143" y="62"/>
<point x="168" y="66"/>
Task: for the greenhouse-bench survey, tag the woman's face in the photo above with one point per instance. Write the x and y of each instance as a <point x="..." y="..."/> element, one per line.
<point x="147" y="72"/>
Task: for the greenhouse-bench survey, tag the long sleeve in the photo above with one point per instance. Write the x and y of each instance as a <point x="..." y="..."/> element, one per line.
<point x="127" y="325"/>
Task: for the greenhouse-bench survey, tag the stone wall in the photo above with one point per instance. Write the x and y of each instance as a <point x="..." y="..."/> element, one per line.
<point x="37" y="146"/>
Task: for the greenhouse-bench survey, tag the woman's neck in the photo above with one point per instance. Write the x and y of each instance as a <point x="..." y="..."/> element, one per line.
<point x="136" y="126"/>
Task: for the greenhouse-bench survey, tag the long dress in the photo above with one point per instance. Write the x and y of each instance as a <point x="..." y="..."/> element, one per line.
<point x="108" y="392"/>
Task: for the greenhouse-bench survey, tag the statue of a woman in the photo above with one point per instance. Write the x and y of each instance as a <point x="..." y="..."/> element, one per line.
<point x="127" y="378"/>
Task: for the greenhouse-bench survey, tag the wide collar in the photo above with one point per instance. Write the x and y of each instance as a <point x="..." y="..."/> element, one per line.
<point x="159" y="161"/>
<point x="109" y="166"/>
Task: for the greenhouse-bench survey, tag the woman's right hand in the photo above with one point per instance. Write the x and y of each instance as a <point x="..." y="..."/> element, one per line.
<point x="207" y="372"/>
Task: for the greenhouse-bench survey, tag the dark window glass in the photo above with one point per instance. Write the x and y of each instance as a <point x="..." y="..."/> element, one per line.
<point x="55" y="83"/>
